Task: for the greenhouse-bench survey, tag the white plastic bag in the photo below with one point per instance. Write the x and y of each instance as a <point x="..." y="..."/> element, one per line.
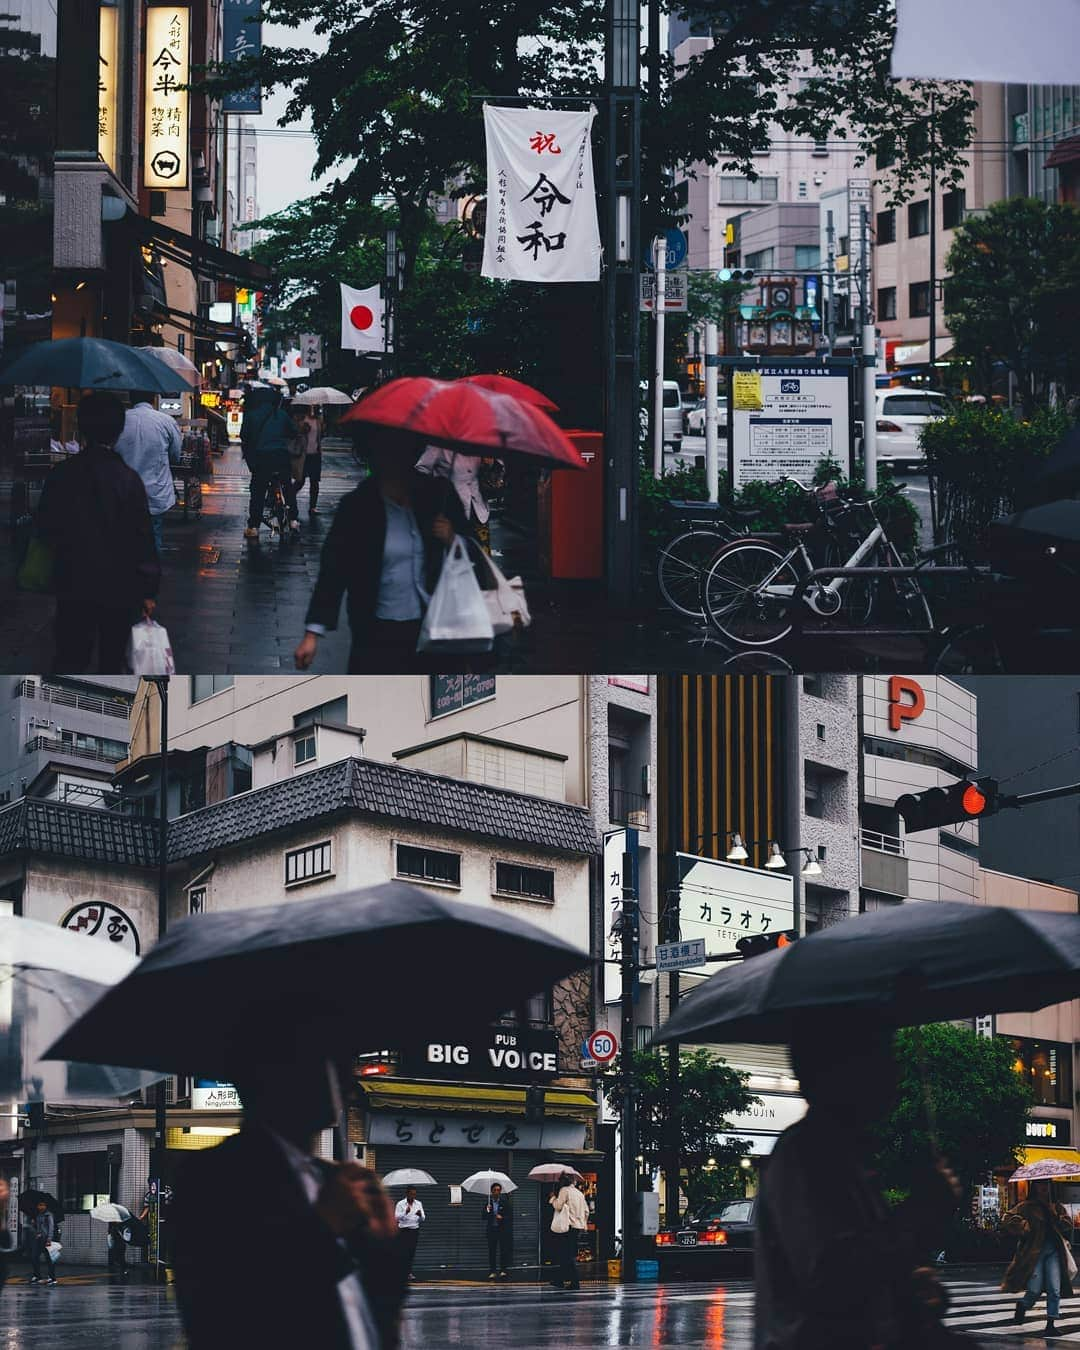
<point x="506" y="602"/>
<point x="457" y="619"/>
<point x="54" y="1249"/>
<point x="149" y="651"/>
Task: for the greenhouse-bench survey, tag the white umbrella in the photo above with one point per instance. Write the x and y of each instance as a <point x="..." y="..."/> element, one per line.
<point x="553" y="1172"/>
<point x="110" y="1213"/>
<point x="276" y="380"/>
<point x="322" y="394"/>
<point x="177" y="361"/>
<point x="49" y="977"/>
<point x="480" y="1183"/>
<point x="409" y="1176"/>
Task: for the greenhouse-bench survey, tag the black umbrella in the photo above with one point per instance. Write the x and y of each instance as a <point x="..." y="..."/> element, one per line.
<point x="91" y="363"/>
<point x="376" y="968"/>
<point x="916" y="963"/>
<point x="1057" y="476"/>
<point x="29" y="1201"/>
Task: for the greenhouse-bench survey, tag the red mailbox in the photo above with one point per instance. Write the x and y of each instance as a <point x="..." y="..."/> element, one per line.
<point x="571" y="514"/>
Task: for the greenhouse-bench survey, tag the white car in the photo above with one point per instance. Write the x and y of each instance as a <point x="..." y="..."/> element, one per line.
<point x="695" y="419"/>
<point x="900" y="414"/>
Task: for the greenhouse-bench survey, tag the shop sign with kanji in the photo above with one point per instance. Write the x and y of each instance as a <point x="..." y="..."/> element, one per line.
<point x="165" y="129"/>
<point x="541" y="223"/>
<point x="417" y="1129"/>
<point x="723" y="902"/>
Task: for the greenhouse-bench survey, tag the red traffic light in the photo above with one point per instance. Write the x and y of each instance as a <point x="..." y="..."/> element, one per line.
<point x="782" y="940"/>
<point x="974" y="800"/>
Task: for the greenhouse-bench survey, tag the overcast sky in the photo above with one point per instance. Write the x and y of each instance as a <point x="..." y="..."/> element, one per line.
<point x="285" y="161"/>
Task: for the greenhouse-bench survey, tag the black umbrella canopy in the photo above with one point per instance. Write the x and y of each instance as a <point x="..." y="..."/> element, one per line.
<point x="1057" y="476"/>
<point x="367" y="970"/>
<point x="920" y="962"/>
<point x="30" y="1199"/>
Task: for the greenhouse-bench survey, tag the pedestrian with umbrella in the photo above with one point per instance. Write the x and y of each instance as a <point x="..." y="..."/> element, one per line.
<point x="1043" y="1262"/>
<point x="115" y="1217"/>
<point x="570" y="1217"/>
<point x="94" y="525"/>
<point x="497" y="1218"/>
<point x="833" y="1266"/>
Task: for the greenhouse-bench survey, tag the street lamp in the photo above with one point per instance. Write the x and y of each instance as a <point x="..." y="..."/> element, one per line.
<point x="624" y="44"/>
<point x="737" y="852"/>
<point x="776" y="860"/>
<point x="810" y="868"/>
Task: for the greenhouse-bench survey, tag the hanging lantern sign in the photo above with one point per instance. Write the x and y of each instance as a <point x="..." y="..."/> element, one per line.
<point x="168" y="70"/>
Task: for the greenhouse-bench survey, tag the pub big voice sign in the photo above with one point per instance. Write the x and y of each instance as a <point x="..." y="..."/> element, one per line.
<point x="506" y="1053"/>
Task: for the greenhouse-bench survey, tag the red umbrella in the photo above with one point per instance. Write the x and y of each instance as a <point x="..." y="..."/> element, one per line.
<point x="505" y="384"/>
<point x="466" y="417"/>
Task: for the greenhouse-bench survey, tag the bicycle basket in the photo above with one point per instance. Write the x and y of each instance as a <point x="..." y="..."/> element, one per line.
<point x="828" y="498"/>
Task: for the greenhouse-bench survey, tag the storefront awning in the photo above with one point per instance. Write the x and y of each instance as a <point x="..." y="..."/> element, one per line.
<point x="204" y="259"/>
<point x="1060" y="1155"/>
<point x="920" y="356"/>
<point x="1065" y="152"/>
<point x="395" y="1094"/>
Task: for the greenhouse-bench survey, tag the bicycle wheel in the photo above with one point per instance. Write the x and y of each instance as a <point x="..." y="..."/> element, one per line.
<point x="746" y="593"/>
<point x="681" y="563"/>
<point x="970" y="651"/>
<point x="901" y="599"/>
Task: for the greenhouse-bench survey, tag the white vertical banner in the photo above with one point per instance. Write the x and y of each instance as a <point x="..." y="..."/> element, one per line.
<point x="311" y="350"/>
<point x="541" y="222"/>
<point x="362" y="319"/>
<point x="168" y="70"/>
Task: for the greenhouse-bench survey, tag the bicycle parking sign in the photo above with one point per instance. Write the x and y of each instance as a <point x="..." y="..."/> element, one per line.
<point x="803" y="418"/>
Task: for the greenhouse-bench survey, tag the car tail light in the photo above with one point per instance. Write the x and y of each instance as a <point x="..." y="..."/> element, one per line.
<point x="716" y="1236"/>
<point x="885" y="425"/>
<point x="665" y="1239"/>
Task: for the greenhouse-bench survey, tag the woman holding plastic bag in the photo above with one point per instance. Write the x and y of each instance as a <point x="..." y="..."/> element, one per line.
<point x="385" y="553"/>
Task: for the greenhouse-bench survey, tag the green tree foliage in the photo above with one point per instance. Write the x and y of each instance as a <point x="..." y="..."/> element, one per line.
<point x="710" y="1092"/>
<point x="1014" y="294"/>
<point x="979" y="1101"/>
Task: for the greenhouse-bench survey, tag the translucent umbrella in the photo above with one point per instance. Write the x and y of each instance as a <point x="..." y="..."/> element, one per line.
<point x="322" y="394"/>
<point x="480" y="1183"/>
<point x="176" y="361"/>
<point x="1046" y="1169"/>
<point x="110" y="1213"/>
<point x="49" y="977"/>
<point x="409" y="1176"/>
<point x="554" y="1172"/>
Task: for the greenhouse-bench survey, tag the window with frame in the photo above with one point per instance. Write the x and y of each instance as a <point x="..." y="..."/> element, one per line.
<point x="305" y="748"/>
<point x="807" y="256"/>
<point x="885" y="227"/>
<point x="919" y="300"/>
<point x="309" y="863"/>
<point x="206" y="686"/>
<point x="735" y="188"/>
<point x="197" y="900"/>
<point x="886" y="302"/>
<point x="1046" y="1067"/>
<point x="428" y="864"/>
<point x="82" y="1181"/>
<point x="531" y="883"/>
<point x="952" y="209"/>
<point x="918" y="219"/>
<point x="802" y="188"/>
<point x="337" y="710"/>
<point x="761" y="261"/>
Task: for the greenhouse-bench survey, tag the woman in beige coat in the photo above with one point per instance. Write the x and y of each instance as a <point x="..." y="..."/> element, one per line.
<point x="571" y="1217"/>
<point x="1041" y="1262"/>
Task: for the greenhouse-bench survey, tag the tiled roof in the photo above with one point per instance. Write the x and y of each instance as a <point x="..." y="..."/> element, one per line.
<point x="374" y="789"/>
<point x="40" y="826"/>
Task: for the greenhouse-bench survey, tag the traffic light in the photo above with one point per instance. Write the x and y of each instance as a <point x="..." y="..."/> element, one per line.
<point x="967" y="799"/>
<point x="760" y="943"/>
<point x="743" y="274"/>
<point x="534" y="1105"/>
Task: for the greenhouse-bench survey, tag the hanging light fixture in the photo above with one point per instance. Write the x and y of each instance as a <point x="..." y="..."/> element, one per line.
<point x="776" y="859"/>
<point x="810" y="868"/>
<point x="737" y="852"/>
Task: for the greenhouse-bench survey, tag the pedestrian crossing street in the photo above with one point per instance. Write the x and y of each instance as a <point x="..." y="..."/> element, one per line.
<point x="980" y="1308"/>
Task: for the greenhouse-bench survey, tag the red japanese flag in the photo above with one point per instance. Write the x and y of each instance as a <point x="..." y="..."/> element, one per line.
<point x="362" y="320"/>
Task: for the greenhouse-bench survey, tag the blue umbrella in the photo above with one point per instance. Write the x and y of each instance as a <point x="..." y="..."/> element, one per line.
<point x="91" y="363"/>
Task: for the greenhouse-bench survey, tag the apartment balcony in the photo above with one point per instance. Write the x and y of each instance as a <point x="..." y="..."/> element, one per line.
<point x="70" y="698"/>
<point x="884" y="863"/>
<point x="47" y="745"/>
<point x="628" y="808"/>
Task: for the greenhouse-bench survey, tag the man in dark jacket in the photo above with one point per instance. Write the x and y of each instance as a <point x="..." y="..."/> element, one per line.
<point x="312" y="1256"/>
<point x="498" y="1220"/>
<point x="266" y="440"/>
<point x="95" y="518"/>
<point x="361" y="558"/>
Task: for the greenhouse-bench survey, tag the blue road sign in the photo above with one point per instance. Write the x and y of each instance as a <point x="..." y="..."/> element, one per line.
<point x="676" y="250"/>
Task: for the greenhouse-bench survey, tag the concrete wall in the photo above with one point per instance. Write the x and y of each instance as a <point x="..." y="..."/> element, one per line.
<point x="54" y="886"/>
<point x="829" y="746"/>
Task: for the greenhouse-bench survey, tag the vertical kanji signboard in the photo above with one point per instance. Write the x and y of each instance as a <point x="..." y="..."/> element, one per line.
<point x="168" y="70"/>
<point x="723" y="902"/>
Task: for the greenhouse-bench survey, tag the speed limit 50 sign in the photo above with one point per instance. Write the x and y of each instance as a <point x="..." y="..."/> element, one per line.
<point x="602" y="1046"/>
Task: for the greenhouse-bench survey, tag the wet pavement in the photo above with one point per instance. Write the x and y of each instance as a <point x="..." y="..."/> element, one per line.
<point x="89" y="1310"/>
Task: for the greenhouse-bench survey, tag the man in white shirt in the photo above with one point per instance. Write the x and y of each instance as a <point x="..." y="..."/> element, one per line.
<point x="150" y="444"/>
<point x="409" y="1214"/>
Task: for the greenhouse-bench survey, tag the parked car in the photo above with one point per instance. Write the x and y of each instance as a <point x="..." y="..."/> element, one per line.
<point x="694" y="421"/>
<point x="900" y="414"/>
<point x="718" y="1240"/>
<point x="673" y="415"/>
<point x="689" y="406"/>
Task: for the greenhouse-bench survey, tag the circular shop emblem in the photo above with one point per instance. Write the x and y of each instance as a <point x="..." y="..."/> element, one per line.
<point x="98" y="919"/>
<point x="166" y="164"/>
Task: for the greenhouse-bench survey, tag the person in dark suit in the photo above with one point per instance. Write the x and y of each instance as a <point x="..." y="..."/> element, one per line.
<point x="383" y="553"/>
<point x="498" y="1217"/>
<point x="312" y="1256"/>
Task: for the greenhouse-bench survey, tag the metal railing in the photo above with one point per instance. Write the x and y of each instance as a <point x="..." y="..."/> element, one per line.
<point x="882" y="843"/>
<point x="46" y="743"/>
<point x="70" y="698"/>
<point x="628" y="808"/>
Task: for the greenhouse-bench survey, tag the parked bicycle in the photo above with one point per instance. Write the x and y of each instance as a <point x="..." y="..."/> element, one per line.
<point x="749" y="589"/>
<point x="702" y="531"/>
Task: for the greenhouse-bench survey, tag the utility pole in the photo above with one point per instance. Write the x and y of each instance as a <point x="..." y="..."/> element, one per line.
<point x="628" y="933"/>
<point x="671" y="1170"/>
<point x="933" y="236"/>
<point x="830" y="303"/>
<point x="157" y="1157"/>
<point x="712" y="456"/>
<point x="622" y="252"/>
<point x="869" y="361"/>
<point x="659" y="300"/>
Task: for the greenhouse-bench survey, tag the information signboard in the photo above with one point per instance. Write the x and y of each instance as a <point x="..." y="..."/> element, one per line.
<point x="721" y="902"/>
<point x="805" y="417"/>
<point x="674" y="291"/>
<point x="451" y="693"/>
